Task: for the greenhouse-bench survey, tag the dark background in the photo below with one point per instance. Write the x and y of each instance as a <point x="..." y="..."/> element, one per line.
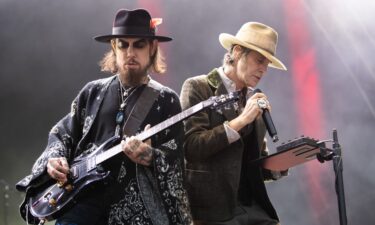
<point x="47" y="54"/>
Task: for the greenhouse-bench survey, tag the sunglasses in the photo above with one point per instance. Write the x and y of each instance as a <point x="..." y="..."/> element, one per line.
<point x="123" y="44"/>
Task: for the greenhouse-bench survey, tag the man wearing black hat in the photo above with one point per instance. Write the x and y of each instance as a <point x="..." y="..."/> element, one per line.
<point x="223" y="188"/>
<point x="145" y="181"/>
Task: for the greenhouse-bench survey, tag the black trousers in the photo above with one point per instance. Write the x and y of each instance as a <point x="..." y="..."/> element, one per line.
<point x="245" y="215"/>
<point x="91" y="209"/>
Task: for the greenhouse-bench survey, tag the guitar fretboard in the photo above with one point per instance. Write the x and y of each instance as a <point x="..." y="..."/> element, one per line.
<point x="156" y="129"/>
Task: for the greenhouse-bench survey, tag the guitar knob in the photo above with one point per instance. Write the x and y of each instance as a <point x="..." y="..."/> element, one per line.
<point x="60" y="184"/>
<point x="52" y="202"/>
<point x="68" y="187"/>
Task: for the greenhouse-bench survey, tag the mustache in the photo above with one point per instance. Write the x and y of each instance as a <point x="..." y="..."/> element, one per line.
<point x="131" y="61"/>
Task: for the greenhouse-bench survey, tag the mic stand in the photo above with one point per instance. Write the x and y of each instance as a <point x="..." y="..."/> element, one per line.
<point x="334" y="154"/>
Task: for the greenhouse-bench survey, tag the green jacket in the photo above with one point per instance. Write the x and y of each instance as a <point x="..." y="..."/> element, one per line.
<point x="213" y="166"/>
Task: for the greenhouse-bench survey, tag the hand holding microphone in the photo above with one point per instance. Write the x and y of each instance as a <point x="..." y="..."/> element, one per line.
<point x="267" y="117"/>
<point x="254" y="105"/>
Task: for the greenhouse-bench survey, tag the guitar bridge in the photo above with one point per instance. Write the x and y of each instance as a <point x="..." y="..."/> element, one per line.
<point x="91" y="164"/>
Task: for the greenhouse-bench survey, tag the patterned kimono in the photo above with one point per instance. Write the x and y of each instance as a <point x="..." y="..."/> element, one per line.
<point x="137" y="194"/>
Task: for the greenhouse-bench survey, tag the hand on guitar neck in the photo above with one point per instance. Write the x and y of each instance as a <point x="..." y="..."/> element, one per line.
<point x="137" y="151"/>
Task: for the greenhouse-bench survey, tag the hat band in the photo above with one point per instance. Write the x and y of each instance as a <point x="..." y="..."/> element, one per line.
<point x="129" y="30"/>
<point x="265" y="42"/>
<point x="268" y="50"/>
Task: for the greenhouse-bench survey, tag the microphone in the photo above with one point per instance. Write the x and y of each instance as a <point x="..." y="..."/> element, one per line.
<point x="267" y="119"/>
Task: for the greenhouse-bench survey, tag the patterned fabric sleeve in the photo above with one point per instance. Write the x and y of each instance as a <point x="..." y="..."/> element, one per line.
<point x="62" y="140"/>
<point x="168" y="164"/>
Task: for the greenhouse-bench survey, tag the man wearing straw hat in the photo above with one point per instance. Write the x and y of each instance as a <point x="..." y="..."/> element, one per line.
<point x="218" y="145"/>
<point x="145" y="184"/>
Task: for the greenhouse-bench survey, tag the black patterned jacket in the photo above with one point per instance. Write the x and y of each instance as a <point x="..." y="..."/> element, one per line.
<point x="69" y="138"/>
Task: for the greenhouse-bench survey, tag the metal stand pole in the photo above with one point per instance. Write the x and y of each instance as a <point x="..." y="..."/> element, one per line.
<point x="339" y="182"/>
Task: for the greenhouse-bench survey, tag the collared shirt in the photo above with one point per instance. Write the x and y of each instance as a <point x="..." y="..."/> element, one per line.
<point x="232" y="134"/>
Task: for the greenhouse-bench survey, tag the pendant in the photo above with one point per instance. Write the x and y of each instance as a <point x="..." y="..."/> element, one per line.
<point x="126" y="92"/>
<point x="120" y="117"/>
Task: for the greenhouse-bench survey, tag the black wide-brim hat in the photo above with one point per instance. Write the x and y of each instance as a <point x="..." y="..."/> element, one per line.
<point x="133" y="23"/>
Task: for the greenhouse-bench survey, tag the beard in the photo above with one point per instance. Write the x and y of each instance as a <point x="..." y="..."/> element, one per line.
<point x="133" y="77"/>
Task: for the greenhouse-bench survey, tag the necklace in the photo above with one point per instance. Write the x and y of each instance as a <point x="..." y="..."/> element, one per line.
<point x="125" y="93"/>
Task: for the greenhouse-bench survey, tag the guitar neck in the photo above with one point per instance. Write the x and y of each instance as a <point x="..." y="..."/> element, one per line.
<point x="155" y="129"/>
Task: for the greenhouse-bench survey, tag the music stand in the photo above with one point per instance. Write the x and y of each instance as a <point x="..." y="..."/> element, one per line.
<point x="304" y="149"/>
<point x="291" y="154"/>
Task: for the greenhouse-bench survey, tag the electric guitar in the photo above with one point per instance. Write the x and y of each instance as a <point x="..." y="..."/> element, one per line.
<point x="85" y="171"/>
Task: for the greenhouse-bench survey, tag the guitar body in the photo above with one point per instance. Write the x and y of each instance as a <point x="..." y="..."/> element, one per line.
<point x="56" y="198"/>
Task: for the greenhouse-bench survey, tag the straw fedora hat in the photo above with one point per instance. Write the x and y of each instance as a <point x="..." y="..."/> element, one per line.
<point x="258" y="37"/>
<point x="133" y="23"/>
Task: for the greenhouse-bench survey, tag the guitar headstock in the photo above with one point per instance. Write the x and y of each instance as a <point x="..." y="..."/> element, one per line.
<point x="216" y="102"/>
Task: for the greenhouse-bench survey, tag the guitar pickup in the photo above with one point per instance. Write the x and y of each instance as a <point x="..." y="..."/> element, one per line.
<point x="73" y="172"/>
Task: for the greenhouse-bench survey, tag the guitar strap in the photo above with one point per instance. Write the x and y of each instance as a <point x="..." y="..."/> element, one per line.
<point x="140" y="109"/>
<point x="147" y="183"/>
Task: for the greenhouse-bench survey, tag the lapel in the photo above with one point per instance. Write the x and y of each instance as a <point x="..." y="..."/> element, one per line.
<point x="100" y="86"/>
<point x="216" y="83"/>
<point x="260" y="131"/>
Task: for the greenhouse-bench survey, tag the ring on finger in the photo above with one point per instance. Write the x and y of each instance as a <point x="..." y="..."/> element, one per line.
<point x="262" y="104"/>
